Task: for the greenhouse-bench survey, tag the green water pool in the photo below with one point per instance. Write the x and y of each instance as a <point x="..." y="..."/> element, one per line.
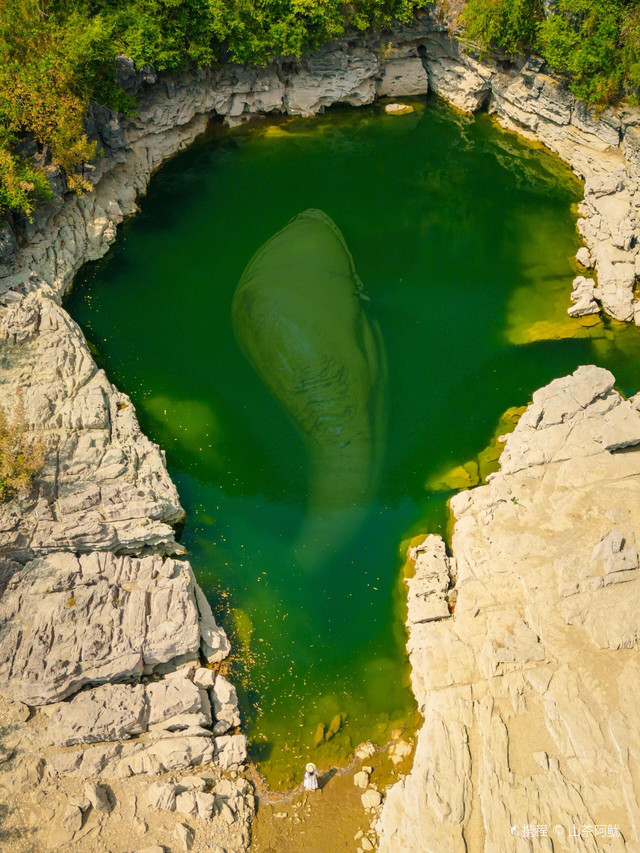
<point x="464" y="238"/>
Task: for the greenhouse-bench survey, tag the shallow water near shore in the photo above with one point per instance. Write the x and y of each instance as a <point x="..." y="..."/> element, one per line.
<point x="464" y="239"/>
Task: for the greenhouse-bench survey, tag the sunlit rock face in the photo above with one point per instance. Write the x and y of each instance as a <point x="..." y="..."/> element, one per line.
<point x="302" y="318"/>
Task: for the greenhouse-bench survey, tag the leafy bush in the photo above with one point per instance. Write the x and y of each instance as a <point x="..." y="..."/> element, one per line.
<point x="510" y="25"/>
<point x="21" y="456"/>
<point x="596" y="43"/>
<point x="21" y="185"/>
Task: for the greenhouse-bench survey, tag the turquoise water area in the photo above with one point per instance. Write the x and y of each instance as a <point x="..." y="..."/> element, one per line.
<point x="464" y="238"/>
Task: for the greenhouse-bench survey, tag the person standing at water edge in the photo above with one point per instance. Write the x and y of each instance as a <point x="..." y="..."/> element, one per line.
<point x="310" y="778"/>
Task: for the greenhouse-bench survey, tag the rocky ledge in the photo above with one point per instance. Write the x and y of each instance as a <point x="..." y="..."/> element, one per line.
<point x="105" y="485"/>
<point x="530" y="690"/>
<point x="107" y="704"/>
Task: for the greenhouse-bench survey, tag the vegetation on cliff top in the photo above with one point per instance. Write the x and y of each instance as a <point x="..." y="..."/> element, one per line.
<point x="595" y="42"/>
<point x="57" y="56"/>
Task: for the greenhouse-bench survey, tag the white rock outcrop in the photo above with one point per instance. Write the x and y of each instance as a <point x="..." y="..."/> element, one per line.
<point x="71" y="621"/>
<point x="530" y="691"/>
<point x="105" y="485"/>
<point x="583" y="296"/>
<point x="224" y="700"/>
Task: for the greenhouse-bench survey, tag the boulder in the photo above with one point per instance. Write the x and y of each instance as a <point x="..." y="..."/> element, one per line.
<point x="184" y="836"/>
<point x="583" y="257"/>
<point x="398" y="109"/>
<point x="161" y="795"/>
<point x="19" y="712"/>
<point x="371" y="798"/>
<point x="230" y="750"/>
<point x="72" y="818"/>
<point x="583" y="297"/>
<point x="110" y="712"/>
<point x="186" y="803"/>
<point x="227" y="814"/>
<point x="361" y="779"/>
<point x="399" y="751"/>
<point x="204" y="678"/>
<point x="98" y="796"/>
<point x="205" y="804"/>
<point x="364" y="750"/>
<point x="224" y="700"/>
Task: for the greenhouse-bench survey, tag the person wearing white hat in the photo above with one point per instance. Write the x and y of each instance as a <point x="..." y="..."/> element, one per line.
<point x="310" y="777"/>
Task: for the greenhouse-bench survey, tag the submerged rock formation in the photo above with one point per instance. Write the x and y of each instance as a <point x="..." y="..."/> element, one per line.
<point x="300" y="315"/>
<point x="530" y="690"/>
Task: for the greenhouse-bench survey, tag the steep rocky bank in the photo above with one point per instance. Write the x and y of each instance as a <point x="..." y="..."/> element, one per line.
<point x="529" y="690"/>
<point x="93" y="593"/>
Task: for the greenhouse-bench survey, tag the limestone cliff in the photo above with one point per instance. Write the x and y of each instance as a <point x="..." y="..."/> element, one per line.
<point x="529" y="690"/>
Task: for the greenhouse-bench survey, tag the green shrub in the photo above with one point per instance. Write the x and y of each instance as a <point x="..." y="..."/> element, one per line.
<point x="585" y="40"/>
<point x="596" y="43"/>
<point x="56" y="56"/>
<point x="21" y="456"/>
<point x="509" y="25"/>
<point x="21" y="185"/>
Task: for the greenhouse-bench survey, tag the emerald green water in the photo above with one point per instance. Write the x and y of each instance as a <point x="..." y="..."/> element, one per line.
<point x="463" y="237"/>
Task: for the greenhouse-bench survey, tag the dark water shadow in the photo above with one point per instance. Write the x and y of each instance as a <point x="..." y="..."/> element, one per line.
<point x="260" y="750"/>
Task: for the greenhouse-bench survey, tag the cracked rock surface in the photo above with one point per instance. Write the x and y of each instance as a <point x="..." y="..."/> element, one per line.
<point x="105" y="485"/>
